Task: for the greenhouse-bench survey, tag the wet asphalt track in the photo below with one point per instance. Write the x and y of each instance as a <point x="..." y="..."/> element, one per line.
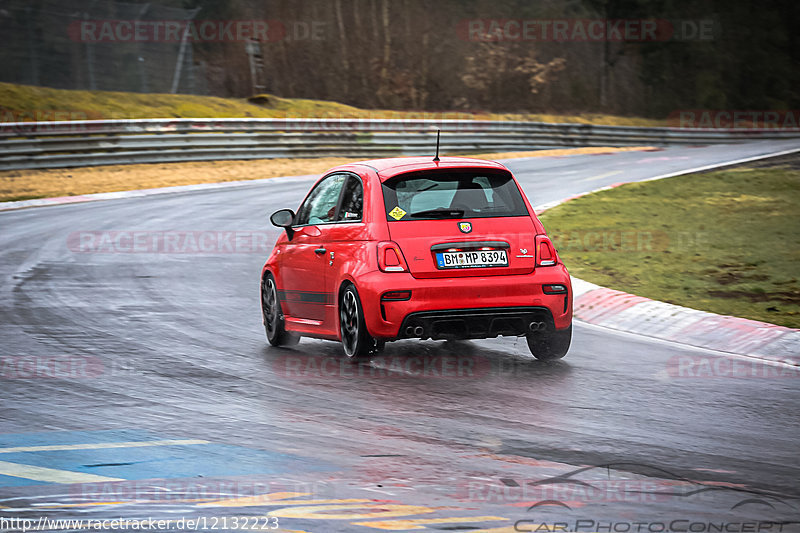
<point x="157" y="346"/>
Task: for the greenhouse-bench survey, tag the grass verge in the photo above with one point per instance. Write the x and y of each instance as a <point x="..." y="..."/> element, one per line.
<point x="726" y="241"/>
<point x="29" y="103"/>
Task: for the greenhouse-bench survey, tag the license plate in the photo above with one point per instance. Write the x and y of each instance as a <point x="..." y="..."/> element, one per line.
<point x="477" y="259"/>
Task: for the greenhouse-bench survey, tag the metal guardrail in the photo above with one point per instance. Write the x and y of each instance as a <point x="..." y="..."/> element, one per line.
<point x="30" y="145"/>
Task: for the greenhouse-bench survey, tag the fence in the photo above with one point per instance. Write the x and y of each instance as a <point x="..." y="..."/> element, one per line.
<point x="29" y="145"/>
<point x="42" y="46"/>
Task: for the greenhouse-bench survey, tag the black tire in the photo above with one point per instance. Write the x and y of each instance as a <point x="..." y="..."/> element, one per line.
<point x="550" y="345"/>
<point x="356" y="341"/>
<point x="273" y="315"/>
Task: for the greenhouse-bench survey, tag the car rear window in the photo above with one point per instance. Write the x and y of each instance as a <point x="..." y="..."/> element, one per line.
<point x="433" y="195"/>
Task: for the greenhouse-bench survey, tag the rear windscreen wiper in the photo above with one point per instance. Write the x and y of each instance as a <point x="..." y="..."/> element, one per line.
<point x="439" y="213"/>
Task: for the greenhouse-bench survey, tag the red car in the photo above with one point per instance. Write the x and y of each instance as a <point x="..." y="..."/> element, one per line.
<point x="414" y="248"/>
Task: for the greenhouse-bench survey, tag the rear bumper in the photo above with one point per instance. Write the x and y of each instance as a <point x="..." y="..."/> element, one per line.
<point x="467" y="307"/>
<point x="479" y="323"/>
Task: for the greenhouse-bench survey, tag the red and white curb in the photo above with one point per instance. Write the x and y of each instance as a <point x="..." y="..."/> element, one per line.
<point x="626" y="312"/>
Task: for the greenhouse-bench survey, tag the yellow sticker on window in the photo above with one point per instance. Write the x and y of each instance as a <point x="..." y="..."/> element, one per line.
<point x="397" y="213"/>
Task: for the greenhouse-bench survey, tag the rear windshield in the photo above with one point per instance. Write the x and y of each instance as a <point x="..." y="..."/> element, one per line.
<point x="446" y="194"/>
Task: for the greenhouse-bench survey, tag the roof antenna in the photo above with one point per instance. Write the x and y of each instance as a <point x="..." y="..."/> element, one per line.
<point x="436" y="157"/>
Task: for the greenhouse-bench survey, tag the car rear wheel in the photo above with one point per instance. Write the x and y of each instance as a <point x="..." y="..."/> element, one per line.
<point x="549" y="345"/>
<point x="273" y="315"/>
<point x="356" y="341"/>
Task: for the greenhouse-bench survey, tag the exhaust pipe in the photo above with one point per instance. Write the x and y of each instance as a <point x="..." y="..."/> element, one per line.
<point x="412" y="331"/>
<point x="536" y="326"/>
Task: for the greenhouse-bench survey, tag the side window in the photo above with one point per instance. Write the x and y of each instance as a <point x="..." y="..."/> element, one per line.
<point x="320" y="206"/>
<point x="352" y="201"/>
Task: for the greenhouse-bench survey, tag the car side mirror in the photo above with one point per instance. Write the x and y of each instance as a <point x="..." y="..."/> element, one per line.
<point x="283" y="218"/>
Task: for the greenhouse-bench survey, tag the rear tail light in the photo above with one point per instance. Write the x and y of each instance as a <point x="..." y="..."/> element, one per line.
<point x="555" y="288"/>
<point x="390" y="258"/>
<point x="545" y="251"/>
<point x="396" y="296"/>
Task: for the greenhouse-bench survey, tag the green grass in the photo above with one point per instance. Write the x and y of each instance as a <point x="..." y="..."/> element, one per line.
<point x="28" y="103"/>
<point x="726" y="242"/>
<point x="32" y="102"/>
<point x="20" y="198"/>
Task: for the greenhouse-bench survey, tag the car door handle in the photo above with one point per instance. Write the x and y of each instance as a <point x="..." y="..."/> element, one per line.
<point x="320" y="251"/>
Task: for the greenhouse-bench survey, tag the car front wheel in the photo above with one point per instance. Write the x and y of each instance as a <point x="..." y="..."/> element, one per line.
<point x="549" y="345"/>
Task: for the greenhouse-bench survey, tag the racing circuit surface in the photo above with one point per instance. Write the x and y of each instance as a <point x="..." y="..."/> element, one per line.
<point x="139" y="384"/>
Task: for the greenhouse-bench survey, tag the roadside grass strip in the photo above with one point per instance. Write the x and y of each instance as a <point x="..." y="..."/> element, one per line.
<point x="32" y="188"/>
<point x="727" y="242"/>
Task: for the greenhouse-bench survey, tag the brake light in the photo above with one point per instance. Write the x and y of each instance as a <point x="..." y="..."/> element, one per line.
<point x="556" y="288"/>
<point x="390" y="258"/>
<point x="545" y="252"/>
<point x="396" y="296"/>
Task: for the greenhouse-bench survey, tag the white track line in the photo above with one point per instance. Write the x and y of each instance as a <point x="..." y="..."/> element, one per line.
<point x="50" y="475"/>
<point x="102" y="445"/>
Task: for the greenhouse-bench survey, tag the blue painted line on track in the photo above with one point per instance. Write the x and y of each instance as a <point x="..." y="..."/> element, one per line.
<point x="53" y="438"/>
<point x="150" y="462"/>
<point x="9" y="481"/>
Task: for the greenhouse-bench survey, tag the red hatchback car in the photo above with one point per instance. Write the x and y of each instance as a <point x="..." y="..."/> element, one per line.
<point x="413" y="248"/>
